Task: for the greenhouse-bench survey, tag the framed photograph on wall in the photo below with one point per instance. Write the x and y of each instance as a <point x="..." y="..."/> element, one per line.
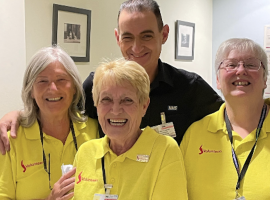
<point x="71" y="31"/>
<point x="184" y="40"/>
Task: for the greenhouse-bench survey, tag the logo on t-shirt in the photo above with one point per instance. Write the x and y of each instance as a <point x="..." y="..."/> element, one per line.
<point x="29" y="165"/>
<point x="208" y="150"/>
<point x="81" y="178"/>
<point x="172" y="107"/>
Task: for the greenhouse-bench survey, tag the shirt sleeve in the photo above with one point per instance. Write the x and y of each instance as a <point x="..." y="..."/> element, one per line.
<point x="171" y="182"/>
<point x="7" y="171"/>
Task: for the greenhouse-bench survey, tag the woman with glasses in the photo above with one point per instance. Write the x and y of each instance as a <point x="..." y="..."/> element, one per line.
<point x="226" y="154"/>
<point x="52" y="128"/>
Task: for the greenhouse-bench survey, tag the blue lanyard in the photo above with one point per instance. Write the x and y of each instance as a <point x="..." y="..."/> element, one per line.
<point x="247" y="162"/>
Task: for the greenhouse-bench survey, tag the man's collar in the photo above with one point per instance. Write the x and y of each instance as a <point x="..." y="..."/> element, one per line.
<point x="163" y="75"/>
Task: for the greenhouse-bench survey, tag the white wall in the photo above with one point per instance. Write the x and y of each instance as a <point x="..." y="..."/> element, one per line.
<point x="200" y="13"/>
<point x="12" y="54"/>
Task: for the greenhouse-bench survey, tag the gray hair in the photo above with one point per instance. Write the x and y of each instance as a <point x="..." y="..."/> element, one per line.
<point x="242" y="45"/>
<point x="119" y="71"/>
<point x="38" y="63"/>
<point x="141" y="6"/>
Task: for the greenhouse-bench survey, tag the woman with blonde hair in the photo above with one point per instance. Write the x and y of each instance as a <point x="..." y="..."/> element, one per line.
<point x="128" y="163"/>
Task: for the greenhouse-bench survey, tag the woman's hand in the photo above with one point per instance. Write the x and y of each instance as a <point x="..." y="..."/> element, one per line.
<point x="62" y="187"/>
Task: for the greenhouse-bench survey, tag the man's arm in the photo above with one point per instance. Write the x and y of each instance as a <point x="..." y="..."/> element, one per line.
<point x="8" y="122"/>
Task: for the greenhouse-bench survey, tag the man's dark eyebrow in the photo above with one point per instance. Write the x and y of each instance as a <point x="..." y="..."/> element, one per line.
<point x="147" y="31"/>
<point x="125" y="34"/>
<point x="143" y="32"/>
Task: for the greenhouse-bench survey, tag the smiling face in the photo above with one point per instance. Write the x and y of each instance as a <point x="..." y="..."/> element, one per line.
<point x="119" y="111"/>
<point x="53" y="90"/>
<point x="140" y="39"/>
<point x="241" y="83"/>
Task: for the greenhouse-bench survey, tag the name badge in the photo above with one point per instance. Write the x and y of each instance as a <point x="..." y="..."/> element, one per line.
<point x="165" y="129"/>
<point x="105" y="197"/>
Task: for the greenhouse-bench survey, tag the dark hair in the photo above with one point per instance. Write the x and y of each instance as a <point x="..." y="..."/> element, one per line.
<point x="140" y="6"/>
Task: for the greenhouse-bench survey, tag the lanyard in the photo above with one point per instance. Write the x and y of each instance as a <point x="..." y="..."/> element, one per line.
<point x="107" y="187"/>
<point x="247" y="162"/>
<point x="41" y="139"/>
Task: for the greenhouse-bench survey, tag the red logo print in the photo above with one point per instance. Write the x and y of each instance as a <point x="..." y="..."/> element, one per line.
<point x="208" y="150"/>
<point x="29" y="165"/>
<point x="24" y="168"/>
<point x="201" y="150"/>
<point x="80" y="178"/>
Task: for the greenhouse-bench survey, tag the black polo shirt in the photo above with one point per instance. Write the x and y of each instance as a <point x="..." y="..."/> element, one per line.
<point x="183" y="96"/>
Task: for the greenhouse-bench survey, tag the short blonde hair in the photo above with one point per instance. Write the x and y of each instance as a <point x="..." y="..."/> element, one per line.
<point x="242" y="45"/>
<point x="38" y="63"/>
<point x="120" y="71"/>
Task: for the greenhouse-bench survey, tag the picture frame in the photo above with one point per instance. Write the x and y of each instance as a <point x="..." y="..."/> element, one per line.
<point x="71" y="30"/>
<point x="184" y="40"/>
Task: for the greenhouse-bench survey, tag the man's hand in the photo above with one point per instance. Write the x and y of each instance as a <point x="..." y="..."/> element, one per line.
<point x="62" y="187"/>
<point x="8" y="122"/>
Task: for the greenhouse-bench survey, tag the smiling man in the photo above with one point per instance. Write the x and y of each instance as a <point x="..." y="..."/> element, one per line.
<point x="176" y="95"/>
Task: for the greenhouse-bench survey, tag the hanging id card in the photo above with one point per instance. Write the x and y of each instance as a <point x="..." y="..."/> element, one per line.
<point x="105" y="197"/>
<point x="165" y="129"/>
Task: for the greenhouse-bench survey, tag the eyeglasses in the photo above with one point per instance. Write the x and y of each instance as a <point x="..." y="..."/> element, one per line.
<point x="250" y="64"/>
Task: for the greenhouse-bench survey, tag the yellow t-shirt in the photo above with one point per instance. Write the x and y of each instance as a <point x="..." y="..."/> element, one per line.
<point x="211" y="173"/>
<point x="22" y="174"/>
<point x="162" y="177"/>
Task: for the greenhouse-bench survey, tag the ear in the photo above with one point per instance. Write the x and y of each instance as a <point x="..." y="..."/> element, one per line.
<point x="165" y="33"/>
<point x="32" y="94"/>
<point x="218" y="83"/>
<point x="145" y="106"/>
<point x="116" y="34"/>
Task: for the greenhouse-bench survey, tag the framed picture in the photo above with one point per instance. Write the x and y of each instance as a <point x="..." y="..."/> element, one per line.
<point x="71" y="31"/>
<point x="184" y="42"/>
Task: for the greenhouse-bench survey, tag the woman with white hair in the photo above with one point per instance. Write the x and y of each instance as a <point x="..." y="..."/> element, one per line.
<point x="226" y="153"/>
<point x="52" y="128"/>
<point x="128" y="163"/>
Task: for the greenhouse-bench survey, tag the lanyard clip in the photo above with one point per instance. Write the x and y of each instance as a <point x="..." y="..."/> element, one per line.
<point x="108" y="188"/>
<point x="236" y="194"/>
<point x="163" y="118"/>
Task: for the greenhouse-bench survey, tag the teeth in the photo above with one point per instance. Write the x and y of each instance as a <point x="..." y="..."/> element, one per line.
<point x="54" y="99"/>
<point x="117" y="122"/>
<point x="241" y="83"/>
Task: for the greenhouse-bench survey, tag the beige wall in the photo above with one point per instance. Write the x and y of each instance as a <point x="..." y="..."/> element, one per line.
<point x="38" y="28"/>
<point x="200" y="13"/>
<point x="12" y="54"/>
<point x="38" y="33"/>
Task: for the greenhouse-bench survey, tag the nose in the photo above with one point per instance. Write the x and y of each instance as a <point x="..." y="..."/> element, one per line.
<point x="116" y="108"/>
<point x="52" y="86"/>
<point x="137" y="46"/>
<point x="241" y="69"/>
